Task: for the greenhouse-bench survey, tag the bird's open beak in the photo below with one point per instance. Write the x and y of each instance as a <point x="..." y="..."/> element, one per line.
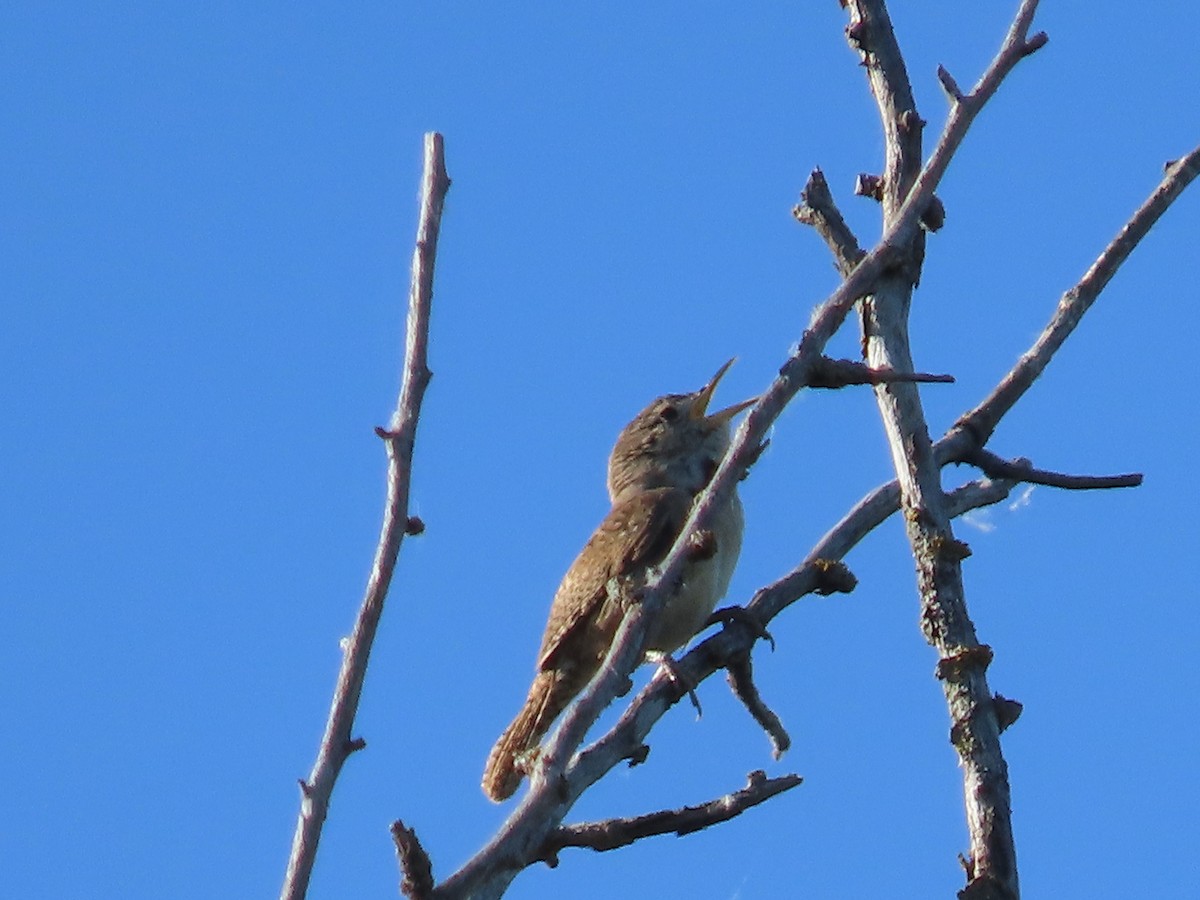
<point x="700" y="407"/>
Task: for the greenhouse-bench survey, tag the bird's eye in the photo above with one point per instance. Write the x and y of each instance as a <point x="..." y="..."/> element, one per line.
<point x="669" y="414"/>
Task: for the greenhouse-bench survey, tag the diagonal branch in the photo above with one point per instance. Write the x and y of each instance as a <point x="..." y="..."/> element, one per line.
<point x="337" y="743"/>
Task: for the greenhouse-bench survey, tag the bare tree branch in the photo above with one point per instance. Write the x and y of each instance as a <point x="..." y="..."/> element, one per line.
<point x="614" y="833"/>
<point x="337" y="743"/>
<point x="949" y="84"/>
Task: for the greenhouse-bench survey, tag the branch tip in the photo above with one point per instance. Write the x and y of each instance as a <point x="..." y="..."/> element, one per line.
<point x="1021" y="469"/>
<point x="1035" y="43"/>
<point x="416" y="870"/>
<point x="949" y="85"/>
<point x="910" y="120"/>
<point x="818" y="210"/>
<point x="934" y="216"/>
<point x="739" y="673"/>
<point x="1007" y="711"/>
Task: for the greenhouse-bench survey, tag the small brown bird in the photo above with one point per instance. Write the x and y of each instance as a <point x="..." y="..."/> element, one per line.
<point x="661" y="460"/>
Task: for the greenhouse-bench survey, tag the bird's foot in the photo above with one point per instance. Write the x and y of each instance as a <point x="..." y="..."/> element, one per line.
<point x="682" y="682"/>
<point x="730" y="614"/>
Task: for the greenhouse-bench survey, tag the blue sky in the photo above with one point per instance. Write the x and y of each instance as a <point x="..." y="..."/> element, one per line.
<point x="207" y="214"/>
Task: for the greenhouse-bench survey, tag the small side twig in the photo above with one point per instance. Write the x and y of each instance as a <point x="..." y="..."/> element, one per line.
<point x="839" y="373"/>
<point x="740" y="675"/>
<point x="1022" y="470"/>
<point x="399" y="437"/>
<point x="949" y="85"/>
<point x="416" y="871"/>
<point x="614" y="833"/>
<point x="818" y="210"/>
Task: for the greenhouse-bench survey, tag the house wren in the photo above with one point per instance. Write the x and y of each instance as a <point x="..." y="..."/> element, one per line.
<point x="661" y="461"/>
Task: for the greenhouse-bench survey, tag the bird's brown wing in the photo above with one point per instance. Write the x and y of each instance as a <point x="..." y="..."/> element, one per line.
<point x="635" y="534"/>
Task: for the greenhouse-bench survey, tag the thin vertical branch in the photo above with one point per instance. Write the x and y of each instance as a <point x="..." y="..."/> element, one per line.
<point x="337" y="743"/>
<point x="975" y="730"/>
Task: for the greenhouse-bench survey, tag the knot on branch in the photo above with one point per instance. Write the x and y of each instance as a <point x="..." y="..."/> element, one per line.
<point x="910" y="121"/>
<point x="1007" y="711"/>
<point x="868" y="185"/>
<point x="950" y="548"/>
<point x="856" y="35"/>
<point x="638" y="755"/>
<point x="983" y="887"/>
<point x="833" y="577"/>
<point x="952" y="667"/>
<point x="1035" y="43"/>
<point x="934" y="216"/>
